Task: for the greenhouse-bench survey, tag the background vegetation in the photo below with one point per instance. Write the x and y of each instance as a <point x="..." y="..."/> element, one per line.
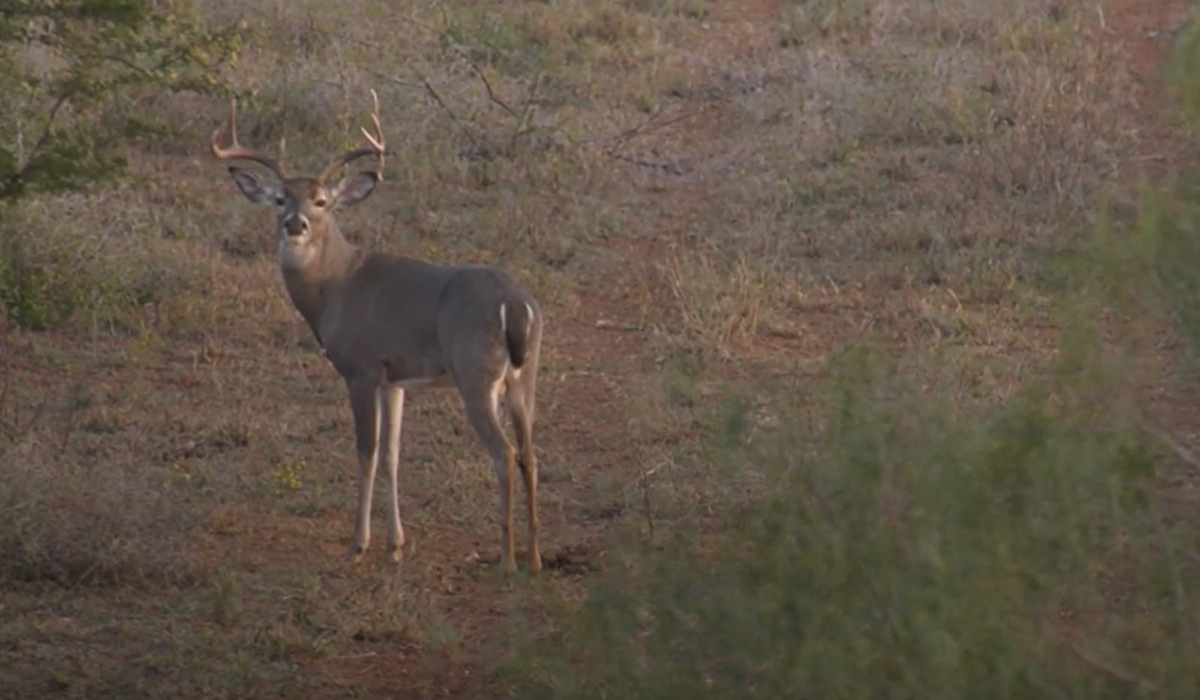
<point x="870" y="367"/>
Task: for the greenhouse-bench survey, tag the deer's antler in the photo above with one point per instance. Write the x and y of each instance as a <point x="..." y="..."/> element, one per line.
<point x="237" y="152"/>
<point x="376" y="148"/>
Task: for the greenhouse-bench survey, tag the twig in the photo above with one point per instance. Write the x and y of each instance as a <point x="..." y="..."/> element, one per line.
<point x="669" y="168"/>
<point x="487" y="84"/>
<point x="427" y="87"/>
<point x="37" y="414"/>
<point x="454" y="117"/>
<point x="527" y="111"/>
<point x="606" y="325"/>
<point x="531" y="99"/>
<point x="523" y="117"/>
<point x="72" y="409"/>
<point x="125" y="62"/>
<point x="1098" y="664"/>
<point x="1182" y="452"/>
<point x="644" y="483"/>
<point x="11" y="431"/>
<point x="645" y="126"/>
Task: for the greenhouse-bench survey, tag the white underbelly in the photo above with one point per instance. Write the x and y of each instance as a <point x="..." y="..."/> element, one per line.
<point x="414" y="383"/>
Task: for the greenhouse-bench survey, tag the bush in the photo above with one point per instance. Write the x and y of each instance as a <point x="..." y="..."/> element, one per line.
<point x="57" y="269"/>
<point x="72" y="73"/>
<point x="95" y="524"/>
<point x="916" y="552"/>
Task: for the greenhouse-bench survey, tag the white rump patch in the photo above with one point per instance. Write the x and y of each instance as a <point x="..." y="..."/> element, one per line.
<point x="503" y="318"/>
<point x="529" y="321"/>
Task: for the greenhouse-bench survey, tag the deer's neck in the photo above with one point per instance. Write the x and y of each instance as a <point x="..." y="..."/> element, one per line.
<point x="316" y="284"/>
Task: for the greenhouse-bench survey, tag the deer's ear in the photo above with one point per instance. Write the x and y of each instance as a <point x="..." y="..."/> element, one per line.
<point x="354" y="188"/>
<point x="253" y="186"/>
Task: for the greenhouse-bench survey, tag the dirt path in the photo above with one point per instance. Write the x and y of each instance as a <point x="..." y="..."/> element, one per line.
<point x="1146" y="29"/>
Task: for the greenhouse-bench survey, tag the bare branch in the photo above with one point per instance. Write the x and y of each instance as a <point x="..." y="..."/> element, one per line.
<point x="487" y="84"/>
<point x="1180" y="451"/>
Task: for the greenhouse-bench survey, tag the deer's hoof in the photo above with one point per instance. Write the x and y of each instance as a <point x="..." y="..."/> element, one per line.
<point x="355" y="554"/>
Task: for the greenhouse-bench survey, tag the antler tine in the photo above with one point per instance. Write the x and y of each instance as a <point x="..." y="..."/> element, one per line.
<point x="376" y="140"/>
<point x="377" y="147"/>
<point x="237" y="152"/>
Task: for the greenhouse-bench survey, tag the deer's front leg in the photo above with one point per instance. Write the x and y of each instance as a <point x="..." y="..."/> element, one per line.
<point x="394" y="402"/>
<point x="365" y="403"/>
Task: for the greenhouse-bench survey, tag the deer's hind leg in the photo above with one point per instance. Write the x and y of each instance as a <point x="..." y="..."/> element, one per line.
<point x="520" y="399"/>
<point x="481" y="401"/>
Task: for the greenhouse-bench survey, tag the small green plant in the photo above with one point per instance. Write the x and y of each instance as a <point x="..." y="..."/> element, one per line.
<point x="287" y="474"/>
<point x="29" y="293"/>
<point x="226" y="597"/>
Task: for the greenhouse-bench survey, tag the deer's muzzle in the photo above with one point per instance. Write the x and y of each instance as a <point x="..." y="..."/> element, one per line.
<point x="295" y="225"/>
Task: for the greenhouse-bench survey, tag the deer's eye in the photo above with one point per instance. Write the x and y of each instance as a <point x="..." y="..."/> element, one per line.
<point x="279" y="200"/>
<point x="320" y="203"/>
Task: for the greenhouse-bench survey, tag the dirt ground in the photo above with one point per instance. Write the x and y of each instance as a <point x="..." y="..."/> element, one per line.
<point x="593" y="354"/>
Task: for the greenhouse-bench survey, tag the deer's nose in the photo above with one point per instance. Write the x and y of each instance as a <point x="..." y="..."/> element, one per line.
<point x="295" y="225"/>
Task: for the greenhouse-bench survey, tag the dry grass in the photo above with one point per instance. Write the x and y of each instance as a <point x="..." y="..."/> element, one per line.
<point x="739" y="193"/>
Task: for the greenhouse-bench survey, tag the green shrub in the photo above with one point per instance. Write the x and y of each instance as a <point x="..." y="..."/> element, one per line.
<point x="57" y="270"/>
<point x="30" y="294"/>
<point x="914" y="551"/>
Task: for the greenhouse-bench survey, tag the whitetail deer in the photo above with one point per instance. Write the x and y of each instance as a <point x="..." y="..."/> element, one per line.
<point x="390" y="323"/>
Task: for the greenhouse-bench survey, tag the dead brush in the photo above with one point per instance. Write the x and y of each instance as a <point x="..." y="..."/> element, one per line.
<point x="719" y="305"/>
<point x="73" y="523"/>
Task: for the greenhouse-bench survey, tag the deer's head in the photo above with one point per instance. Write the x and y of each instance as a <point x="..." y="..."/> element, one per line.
<point x="304" y="206"/>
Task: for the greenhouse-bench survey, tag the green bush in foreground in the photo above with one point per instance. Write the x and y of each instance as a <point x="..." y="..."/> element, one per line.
<point x="914" y="552"/>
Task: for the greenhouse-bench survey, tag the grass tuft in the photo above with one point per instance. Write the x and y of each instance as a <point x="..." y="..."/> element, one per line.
<point x="92" y="523"/>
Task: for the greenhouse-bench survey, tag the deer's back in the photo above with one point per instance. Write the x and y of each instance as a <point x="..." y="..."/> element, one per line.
<point x="415" y="317"/>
